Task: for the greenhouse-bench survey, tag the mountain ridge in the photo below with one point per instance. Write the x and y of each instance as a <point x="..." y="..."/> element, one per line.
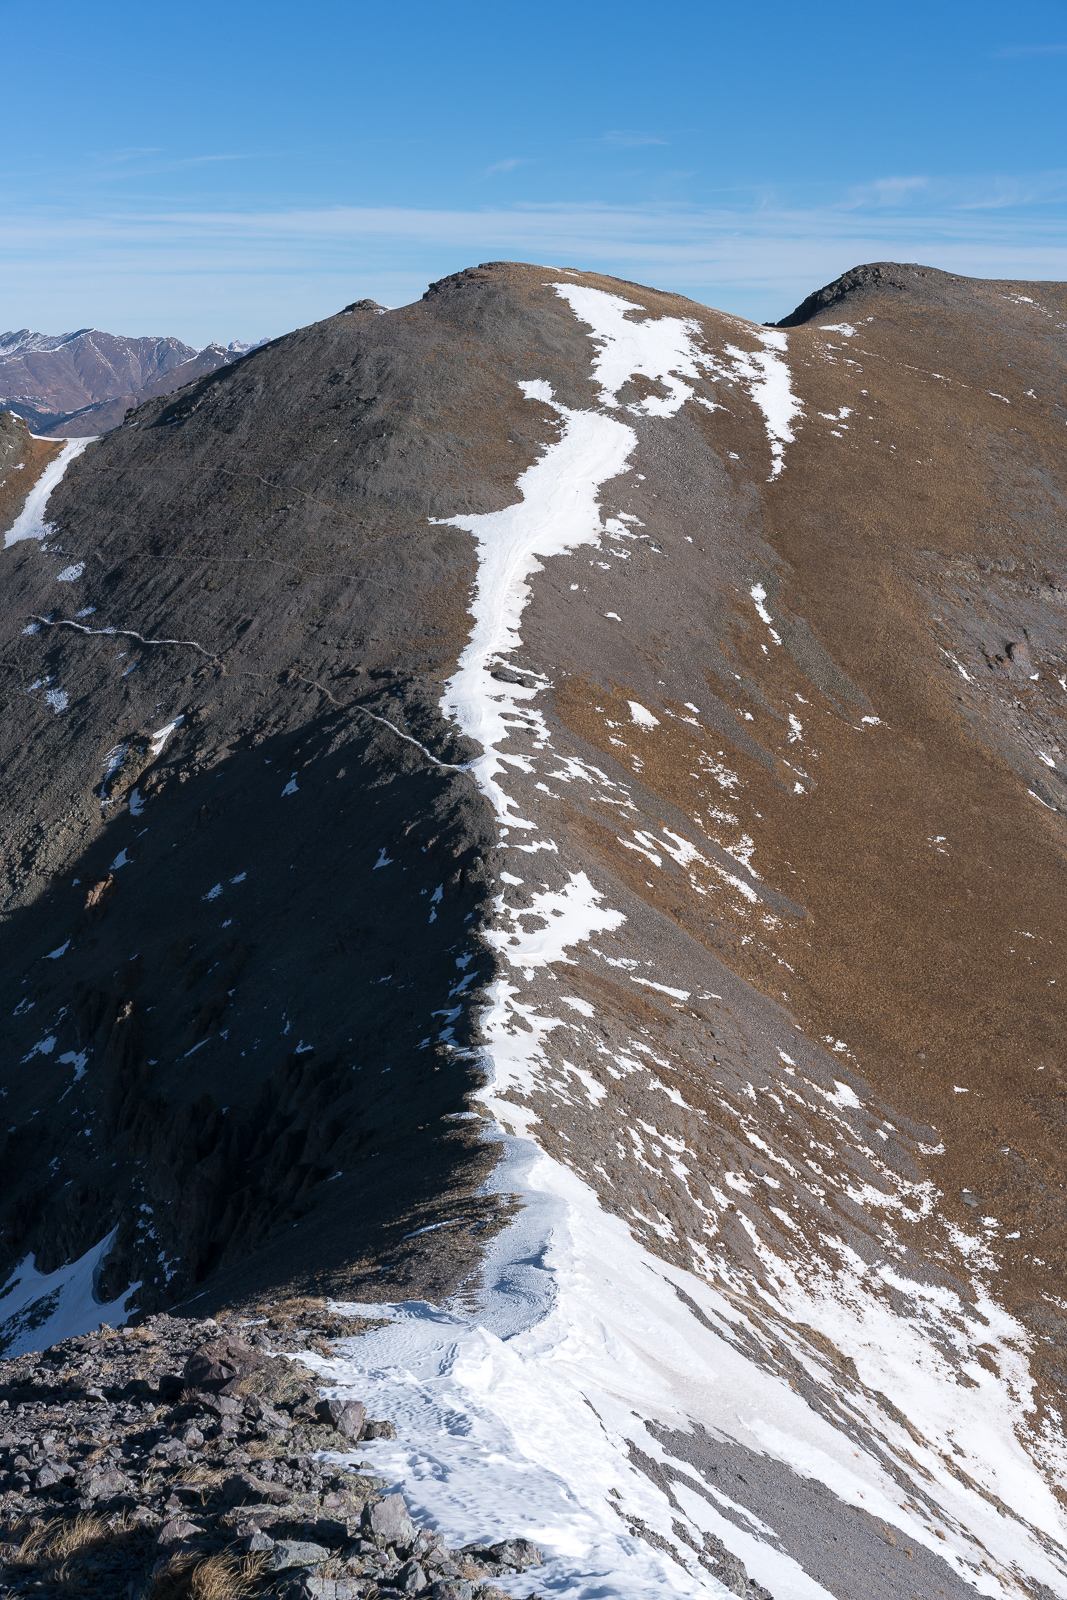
<point x="693" y="1032"/>
<point x="84" y="382"/>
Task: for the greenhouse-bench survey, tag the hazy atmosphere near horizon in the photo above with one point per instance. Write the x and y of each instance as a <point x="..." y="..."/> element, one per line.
<point x="533" y="801"/>
<point x="229" y="171"/>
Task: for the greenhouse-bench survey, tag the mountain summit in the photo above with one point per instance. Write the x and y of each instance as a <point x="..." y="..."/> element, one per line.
<point x="538" y="816"/>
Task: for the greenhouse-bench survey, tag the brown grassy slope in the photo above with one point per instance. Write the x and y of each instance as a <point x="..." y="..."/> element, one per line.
<point x="928" y="527"/>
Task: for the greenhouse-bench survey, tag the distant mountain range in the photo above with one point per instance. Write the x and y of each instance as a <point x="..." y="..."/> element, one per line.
<point x="77" y="384"/>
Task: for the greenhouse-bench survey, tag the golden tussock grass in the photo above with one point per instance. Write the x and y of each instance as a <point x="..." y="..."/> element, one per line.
<point x="57" y="1547"/>
<point x="57" y="1541"/>
<point x="218" y="1577"/>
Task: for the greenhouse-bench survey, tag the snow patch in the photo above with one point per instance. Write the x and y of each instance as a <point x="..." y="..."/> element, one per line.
<point x="759" y="596"/>
<point x="30" y="523"/>
<point x="663" y="349"/>
<point x="770" y="386"/>
<point x="568" y="916"/>
<point x="39" y="1309"/>
<point x="557" y="511"/>
<point x="641" y="716"/>
<point x="160" y="737"/>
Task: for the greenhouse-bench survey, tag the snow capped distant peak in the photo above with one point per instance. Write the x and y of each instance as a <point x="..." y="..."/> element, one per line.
<point x="25" y="341"/>
<point x="238" y="347"/>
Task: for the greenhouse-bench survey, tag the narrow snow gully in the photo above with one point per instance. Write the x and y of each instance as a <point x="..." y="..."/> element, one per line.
<point x="556" y="1409"/>
<point x="30" y="523"/>
<point x="557" y="512"/>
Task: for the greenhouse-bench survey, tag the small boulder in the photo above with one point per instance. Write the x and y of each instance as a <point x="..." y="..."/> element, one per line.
<point x="169" y="1450"/>
<point x="176" y="1529"/>
<point x="105" y="1485"/>
<point x="378" y="1430"/>
<point x="443" y="1566"/>
<point x="410" y="1579"/>
<point x="243" y="1489"/>
<point x="481" y="1553"/>
<point x="517" y="1553"/>
<point x="259" y="1411"/>
<point x="388" y="1519"/>
<point x="144" y="1517"/>
<point x="222" y="1361"/>
<point x="296" y="1553"/>
<point x="219" y="1405"/>
<point x="309" y="1586"/>
<point x="347" y="1416"/>
<point x="453" y="1589"/>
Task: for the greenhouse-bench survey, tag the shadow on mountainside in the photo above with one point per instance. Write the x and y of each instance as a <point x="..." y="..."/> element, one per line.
<point x="266" y="917"/>
<point x="240" y="1003"/>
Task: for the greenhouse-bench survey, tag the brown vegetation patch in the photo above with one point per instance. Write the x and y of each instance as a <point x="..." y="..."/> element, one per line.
<point x="217" y="1577"/>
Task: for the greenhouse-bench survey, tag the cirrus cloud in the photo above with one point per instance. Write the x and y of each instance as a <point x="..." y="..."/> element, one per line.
<point x="245" y="274"/>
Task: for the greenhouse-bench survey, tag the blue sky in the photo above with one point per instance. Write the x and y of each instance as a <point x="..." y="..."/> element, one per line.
<point x="231" y="170"/>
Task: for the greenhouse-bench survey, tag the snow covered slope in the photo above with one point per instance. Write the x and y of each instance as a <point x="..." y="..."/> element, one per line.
<point x="734" y="659"/>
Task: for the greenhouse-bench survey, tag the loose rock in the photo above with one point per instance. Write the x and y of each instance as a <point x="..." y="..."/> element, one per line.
<point x="152" y="1475"/>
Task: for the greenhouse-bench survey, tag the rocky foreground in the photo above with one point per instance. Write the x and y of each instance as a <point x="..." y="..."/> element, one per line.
<point x="193" y="1459"/>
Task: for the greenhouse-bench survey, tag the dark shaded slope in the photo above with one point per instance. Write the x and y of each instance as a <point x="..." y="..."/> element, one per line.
<point x="223" y="1048"/>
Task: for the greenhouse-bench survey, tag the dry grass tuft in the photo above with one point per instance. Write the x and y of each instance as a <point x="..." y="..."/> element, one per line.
<point x="52" y="1543"/>
<point x="219" y="1577"/>
<point x="296" y="1312"/>
<point x="56" y="1547"/>
<point x="70" y="1539"/>
<point x="30" y="1546"/>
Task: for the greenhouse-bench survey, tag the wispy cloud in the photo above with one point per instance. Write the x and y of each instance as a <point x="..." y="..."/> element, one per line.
<point x="630" y="139"/>
<point x="507" y="166"/>
<point x="949" y="196"/>
<point x="888" y="191"/>
<point x="207" y="274"/>
<point x="1015" y="52"/>
<point x="199" y="161"/>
